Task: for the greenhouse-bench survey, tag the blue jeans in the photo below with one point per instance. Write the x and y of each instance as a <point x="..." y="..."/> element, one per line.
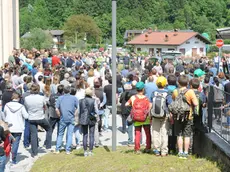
<point x="204" y="115"/>
<point x="88" y="130"/>
<point x="2" y="163"/>
<point x="62" y="126"/>
<point x="15" y="146"/>
<point x="77" y="129"/>
<point x="26" y="141"/>
<point x="130" y="134"/>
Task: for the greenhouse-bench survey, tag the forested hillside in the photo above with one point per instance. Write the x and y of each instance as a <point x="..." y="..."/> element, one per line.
<point x="198" y="15"/>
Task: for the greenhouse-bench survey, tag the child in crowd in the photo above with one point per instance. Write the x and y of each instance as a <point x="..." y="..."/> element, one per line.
<point x="160" y="124"/>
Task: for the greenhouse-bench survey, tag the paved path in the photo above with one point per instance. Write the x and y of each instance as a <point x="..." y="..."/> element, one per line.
<point x="26" y="161"/>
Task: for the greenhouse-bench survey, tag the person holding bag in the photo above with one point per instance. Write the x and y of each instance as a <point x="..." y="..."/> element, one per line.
<point x="88" y="110"/>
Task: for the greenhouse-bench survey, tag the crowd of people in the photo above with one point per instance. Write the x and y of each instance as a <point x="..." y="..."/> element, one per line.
<point x="43" y="89"/>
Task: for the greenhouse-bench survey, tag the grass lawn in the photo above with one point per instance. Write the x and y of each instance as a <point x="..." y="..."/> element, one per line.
<point x="123" y="160"/>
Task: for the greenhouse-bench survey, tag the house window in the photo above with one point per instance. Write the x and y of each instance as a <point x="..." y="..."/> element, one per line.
<point x="188" y="42"/>
<point x="196" y="42"/>
<point x="201" y="50"/>
<point x="151" y="51"/>
<point x="138" y="49"/>
<point x="182" y="50"/>
<point x="171" y="49"/>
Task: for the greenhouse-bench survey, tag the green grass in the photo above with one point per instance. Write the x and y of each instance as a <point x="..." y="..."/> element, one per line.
<point x="123" y="160"/>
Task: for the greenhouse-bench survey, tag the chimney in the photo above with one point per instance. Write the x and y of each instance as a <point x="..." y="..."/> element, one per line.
<point x="166" y="38"/>
<point x="146" y="37"/>
<point x="175" y="32"/>
<point x="150" y="30"/>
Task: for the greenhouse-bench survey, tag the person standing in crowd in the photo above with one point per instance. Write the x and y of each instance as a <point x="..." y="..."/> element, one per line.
<point x="102" y="97"/>
<point x="7" y="94"/>
<point x="139" y="125"/>
<point x="66" y="106"/>
<point x="88" y="118"/>
<point x="15" y="114"/>
<point x="218" y="98"/>
<point x="183" y="128"/>
<point x="35" y="104"/>
<point x="160" y="123"/>
<point x="108" y="93"/>
<point x="150" y="87"/>
<point x="53" y="117"/>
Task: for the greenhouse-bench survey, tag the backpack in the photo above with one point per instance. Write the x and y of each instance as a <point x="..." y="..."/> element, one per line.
<point x="158" y="109"/>
<point x="169" y="98"/>
<point x="180" y="107"/>
<point x="140" y="109"/>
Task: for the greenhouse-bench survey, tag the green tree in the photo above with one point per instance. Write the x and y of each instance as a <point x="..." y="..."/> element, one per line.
<point x="37" y="16"/>
<point x="81" y="25"/>
<point x="38" y="39"/>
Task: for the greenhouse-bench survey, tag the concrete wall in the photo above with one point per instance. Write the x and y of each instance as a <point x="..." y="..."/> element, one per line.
<point x="212" y="147"/>
<point x="9" y="28"/>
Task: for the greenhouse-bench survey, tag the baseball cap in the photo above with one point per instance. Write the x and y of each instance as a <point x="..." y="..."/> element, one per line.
<point x="162" y="81"/>
<point x="140" y="85"/>
<point x="199" y="73"/>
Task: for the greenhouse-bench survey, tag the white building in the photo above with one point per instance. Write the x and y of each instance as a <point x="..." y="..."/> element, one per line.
<point x="9" y="28"/>
<point x="189" y="43"/>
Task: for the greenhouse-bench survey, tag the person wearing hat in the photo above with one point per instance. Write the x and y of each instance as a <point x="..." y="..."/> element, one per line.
<point x="139" y="125"/>
<point x="87" y="119"/>
<point x="160" y="125"/>
<point x="198" y="73"/>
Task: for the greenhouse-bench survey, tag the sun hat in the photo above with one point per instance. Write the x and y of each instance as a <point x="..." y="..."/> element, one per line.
<point x="199" y="73"/>
<point x="140" y="85"/>
<point x="161" y="81"/>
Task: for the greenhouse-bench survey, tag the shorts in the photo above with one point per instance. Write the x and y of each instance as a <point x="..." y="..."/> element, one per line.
<point x="183" y="128"/>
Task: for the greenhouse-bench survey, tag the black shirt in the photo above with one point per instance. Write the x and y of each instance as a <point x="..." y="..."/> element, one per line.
<point x="6" y="97"/>
<point x="108" y="93"/>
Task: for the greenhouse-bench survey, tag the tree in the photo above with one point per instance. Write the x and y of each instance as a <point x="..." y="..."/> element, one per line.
<point x="81" y="26"/>
<point x="38" y="39"/>
<point x="37" y="16"/>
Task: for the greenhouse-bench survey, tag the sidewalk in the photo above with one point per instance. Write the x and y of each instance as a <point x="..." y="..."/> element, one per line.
<point x="26" y="161"/>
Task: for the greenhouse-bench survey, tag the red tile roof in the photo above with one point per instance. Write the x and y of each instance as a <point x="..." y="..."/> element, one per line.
<point x="165" y="38"/>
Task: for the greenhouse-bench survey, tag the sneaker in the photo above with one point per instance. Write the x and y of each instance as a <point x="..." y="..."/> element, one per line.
<point x="56" y="152"/>
<point x="68" y="152"/>
<point x="130" y="145"/>
<point x="181" y="155"/>
<point x="138" y="152"/>
<point x="90" y="153"/>
<point x="96" y="146"/>
<point x="78" y="147"/>
<point x="185" y="156"/>
<point x="146" y="150"/>
<point x="164" y="155"/>
<point x="156" y="152"/>
<point x="85" y="154"/>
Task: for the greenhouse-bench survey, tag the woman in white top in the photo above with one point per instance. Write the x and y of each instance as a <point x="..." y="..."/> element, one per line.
<point x="91" y="77"/>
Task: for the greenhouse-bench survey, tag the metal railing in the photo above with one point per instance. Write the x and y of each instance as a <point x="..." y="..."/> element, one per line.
<point x="218" y="119"/>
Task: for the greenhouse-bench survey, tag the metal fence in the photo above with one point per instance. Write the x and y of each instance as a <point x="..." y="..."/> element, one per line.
<point x="218" y="118"/>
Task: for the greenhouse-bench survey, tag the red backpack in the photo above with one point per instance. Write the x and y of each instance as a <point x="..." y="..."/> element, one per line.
<point x="140" y="109"/>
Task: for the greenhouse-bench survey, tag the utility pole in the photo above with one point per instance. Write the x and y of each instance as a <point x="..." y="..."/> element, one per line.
<point x="114" y="76"/>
